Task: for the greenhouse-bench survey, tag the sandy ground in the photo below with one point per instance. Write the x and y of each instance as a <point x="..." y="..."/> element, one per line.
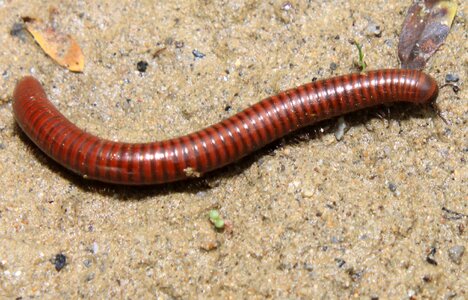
<point x="380" y="214"/>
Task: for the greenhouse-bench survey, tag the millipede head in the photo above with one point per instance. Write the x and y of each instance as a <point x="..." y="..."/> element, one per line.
<point x="428" y="89"/>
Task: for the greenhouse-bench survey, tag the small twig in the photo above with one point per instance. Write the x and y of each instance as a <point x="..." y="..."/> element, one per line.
<point x="455" y="87"/>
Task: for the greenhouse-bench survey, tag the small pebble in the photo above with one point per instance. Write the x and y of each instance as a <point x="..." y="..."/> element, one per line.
<point x="308" y="192"/>
<point x="87" y="263"/>
<point x="392" y="187"/>
<point x="179" y="44"/>
<point x="142" y="66"/>
<point x="451" y="78"/>
<point x="95" y="248"/>
<point x="427" y="278"/>
<point x="430" y="258"/>
<point x="59" y="261"/>
<point x="308" y="267"/>
<point x="286" y="6"/>
<point x="333" y="66"/>
<point x="456" y="253"/>
<point x="341" y="128"/>
<point x="198" y="54"/>
<point x="374" y="29"/>
<point x="340" y="262"/>
<point x="210" y="245"/>
<point x="17" y="30"/>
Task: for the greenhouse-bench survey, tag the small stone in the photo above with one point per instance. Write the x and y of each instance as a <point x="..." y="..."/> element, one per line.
<point x="427" y="278"/>
<point x="392" y="187"/>
<point x="286" y="6"/>
<point x="198" y="54"/>
<point x="308" y="192"/>
<point x="17" y="30"/>
<point x="210" y="245"/>
<point x="95" y="248"/>
<point x="451" y="78"/>
<point x="340" y="128"/>
<point x="308" y="267"/>
<point x="456" y="253"/>
<point x="59" y="261"/>
<point x="142" y="66"/>
<point x="340" y="262"/>
<point x="87" y="263"/>
<point x="333" y="66"/>
<point x="374" y="29"/>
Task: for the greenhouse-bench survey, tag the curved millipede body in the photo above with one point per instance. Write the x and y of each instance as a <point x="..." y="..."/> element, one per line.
<point x="214" y="146"/>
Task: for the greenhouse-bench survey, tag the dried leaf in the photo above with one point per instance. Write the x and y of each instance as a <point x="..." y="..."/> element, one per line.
<point x="426" y="27"/>
<point x="59" y="46"/>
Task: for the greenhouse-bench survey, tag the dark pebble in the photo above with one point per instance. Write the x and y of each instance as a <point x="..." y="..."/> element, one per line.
<point x="17" y="30"/>
<point x="451" y="78"/>
<point x="142" y="66"/>
<point x="333" y="66"/>
<point x="198" y="54"/>
<point x="430" y="258"/>
<point x="227" y="108"/>
<point x="339" y="262"/>
<point x="392" y="187"/>
<point x="309" y="267"/>
<point x="59" y="261"/>
<point x="427" y="278"/>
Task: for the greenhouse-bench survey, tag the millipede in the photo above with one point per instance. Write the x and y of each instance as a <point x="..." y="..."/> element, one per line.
<point x="220" y="144"/>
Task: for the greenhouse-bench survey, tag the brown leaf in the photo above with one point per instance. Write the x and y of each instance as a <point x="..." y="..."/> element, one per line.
<point x="59" y="46"/>
<point x="426" y="27"/>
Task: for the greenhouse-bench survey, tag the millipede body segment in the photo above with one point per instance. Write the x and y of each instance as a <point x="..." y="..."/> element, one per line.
<point x="217" y="145"/>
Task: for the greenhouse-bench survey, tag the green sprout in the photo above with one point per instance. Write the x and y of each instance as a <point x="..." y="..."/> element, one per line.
<point x="362" y="64"/>
<point x="216" y="219"/>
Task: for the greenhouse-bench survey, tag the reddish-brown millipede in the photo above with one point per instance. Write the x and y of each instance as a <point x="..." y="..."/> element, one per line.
<point x="214" y="146"/>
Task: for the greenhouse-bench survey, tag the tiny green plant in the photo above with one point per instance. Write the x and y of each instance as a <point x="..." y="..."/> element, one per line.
<point x="216" y="219"/>
<point x="361" y="63"/>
